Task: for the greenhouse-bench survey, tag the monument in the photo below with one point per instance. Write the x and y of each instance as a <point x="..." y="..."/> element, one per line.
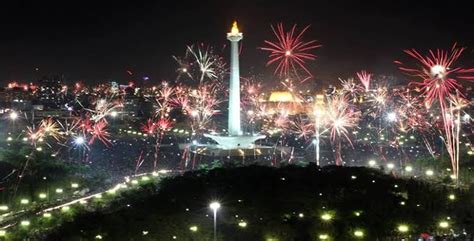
<point x="235" y="139"/>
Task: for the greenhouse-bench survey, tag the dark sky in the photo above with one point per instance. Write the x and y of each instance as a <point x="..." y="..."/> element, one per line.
<point x="99" y="40"/>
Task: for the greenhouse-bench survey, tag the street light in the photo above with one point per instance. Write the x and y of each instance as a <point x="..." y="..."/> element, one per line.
<point x="318" y="113"/>
<point x="443" y="224"/>
<point x="372" y="163"/>
<point x="326" y="217"/>
<point x="359" y="234"/>
<point x="402" y="228"/>
<point x="215" y="206"/>
<point x="429" y="173"/>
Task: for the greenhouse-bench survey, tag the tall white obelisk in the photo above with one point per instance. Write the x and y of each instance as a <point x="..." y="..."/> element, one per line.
<point x="234" y="37"/>
<point x="235" y="138"/>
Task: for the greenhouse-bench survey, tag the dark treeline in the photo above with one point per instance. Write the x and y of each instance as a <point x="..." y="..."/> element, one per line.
<point x="278" y="204"/>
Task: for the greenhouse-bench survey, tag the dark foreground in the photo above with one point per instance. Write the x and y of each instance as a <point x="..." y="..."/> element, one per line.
<point x="263" y="203"/>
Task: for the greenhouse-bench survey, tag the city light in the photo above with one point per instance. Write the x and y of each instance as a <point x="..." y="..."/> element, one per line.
<point x="25" y="223"/>
<point x="215" y="206"/>
<point x="107" y="141"/>
<point x="323" y="237"/>
<point x="242" y="224"/>
<point x="372" y="163"/>
<point x="403" y="228"/>
<point x="13" y="115"/>
<point x="443" y="224"/>
<point x="429" y="173"/>
<point x="359" y="233"/>
<point x="193" y="228"/>
<point x="326" y="217"/>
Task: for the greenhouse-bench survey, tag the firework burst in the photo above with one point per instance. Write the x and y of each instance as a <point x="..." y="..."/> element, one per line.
<point x="350" y="88"/>
<point x="289" y="51"/>
<point x="99" y="132"/>
<point x="340" y="118"/>
<point x="438" y="73"/>
<point x="201" y="63"/>
<point x="439" y="82"/>
<point x="302" y="127"/>
<point x="51" y="128"/>
<point x="365" y="79"/>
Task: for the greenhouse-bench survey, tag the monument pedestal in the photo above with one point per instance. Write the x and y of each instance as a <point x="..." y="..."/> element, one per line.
<point x="235" y="142"/>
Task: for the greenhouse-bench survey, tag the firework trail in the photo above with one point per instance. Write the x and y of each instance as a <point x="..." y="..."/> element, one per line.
<point x="365" y="79"/>
<point x="439" y="83"/>
<point x="341" y="117"/>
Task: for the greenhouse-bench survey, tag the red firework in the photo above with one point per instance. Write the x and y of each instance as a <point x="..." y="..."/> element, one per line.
<point x="365" y="78"/>
<point x="86" y="125"/>
<point x="149" y="127"/>
<point x="99" y="132"/>
<point x="439" y="76"/>
<point x="290" y="51"/>
<point x="164" y="124"/>
<point x="440" y="83"/>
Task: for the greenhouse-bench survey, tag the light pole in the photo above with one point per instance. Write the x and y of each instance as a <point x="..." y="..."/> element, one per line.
<point x="215" y="206"/>
<point x="318" y="112"/>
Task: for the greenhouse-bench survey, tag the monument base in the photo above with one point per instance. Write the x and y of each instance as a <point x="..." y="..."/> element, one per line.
<point x="215" y="151"/>
<point x="235" y="142"/>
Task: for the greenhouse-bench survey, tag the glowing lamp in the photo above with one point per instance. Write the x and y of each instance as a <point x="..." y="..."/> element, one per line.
<point x="443" y="224"/>
<point x="215" y="205"/>
<point x="403" y="228"/>
<point x="323" y="237"/>
<point x="359" y="233"/>
<point x="326" y="217"/>
<point x="13" y="115"/>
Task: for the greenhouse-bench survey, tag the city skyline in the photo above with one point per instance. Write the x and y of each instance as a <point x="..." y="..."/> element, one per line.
<point x="101" y="42"/>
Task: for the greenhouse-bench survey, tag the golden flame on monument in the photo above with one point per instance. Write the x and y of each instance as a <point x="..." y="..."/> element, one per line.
<point x="235" y="29"/>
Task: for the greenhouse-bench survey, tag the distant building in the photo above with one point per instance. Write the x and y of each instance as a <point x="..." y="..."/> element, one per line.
<point x="49" y="92"/>
<point x="15" y="97"/>
<point x="284" y="102"/>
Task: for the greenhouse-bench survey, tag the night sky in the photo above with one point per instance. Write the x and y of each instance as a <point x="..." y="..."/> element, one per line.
<point x="95" y="42"/>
